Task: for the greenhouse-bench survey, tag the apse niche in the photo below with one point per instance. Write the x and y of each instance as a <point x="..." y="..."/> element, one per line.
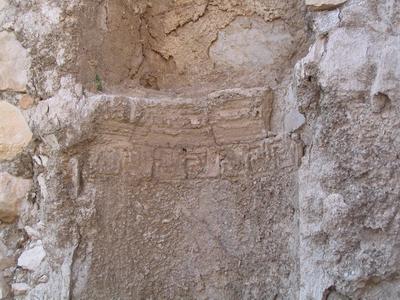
<point x="192" y="189"/>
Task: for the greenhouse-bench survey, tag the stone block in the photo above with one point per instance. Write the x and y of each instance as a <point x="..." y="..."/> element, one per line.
<point x="32" y="258"/>
<point x="13" y="190"/>
<point x="14" y="63"/>
<point x="14" y="131"/>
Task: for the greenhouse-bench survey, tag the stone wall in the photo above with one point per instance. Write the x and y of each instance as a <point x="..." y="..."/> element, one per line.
<point x="349" y="186"/>
<point x="186" y="149"/>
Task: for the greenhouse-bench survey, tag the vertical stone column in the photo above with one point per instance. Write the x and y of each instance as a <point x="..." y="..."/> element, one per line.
<point x="348" y="87"/>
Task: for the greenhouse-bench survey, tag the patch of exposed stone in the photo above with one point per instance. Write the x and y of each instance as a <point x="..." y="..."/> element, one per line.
<point x="348" y="179"/>
<point x="14" y="131"/>
<point x="15" y="61"/>
<point x="13" y="192"/>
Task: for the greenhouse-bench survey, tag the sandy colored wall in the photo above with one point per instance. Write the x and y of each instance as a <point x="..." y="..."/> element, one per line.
<point x="214" y="149"/>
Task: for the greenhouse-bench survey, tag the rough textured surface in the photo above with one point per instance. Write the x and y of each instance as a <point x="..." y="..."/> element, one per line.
<point x="13" y="191"/>
<point x="191" y="207"/>
<point x="208" y="149"/>
<point x="30" y="259"/>
<point x="14" y="131"/>
<point x="183" y="45"/>
<point x="349" y="218"/>
<point x="13" y="63"/>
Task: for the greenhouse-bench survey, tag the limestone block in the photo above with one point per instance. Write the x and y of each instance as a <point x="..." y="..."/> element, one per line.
<point x="31" y="258"/>
<point x="344" y="66"/>
<point x="14" y="131"/>
<point x="14" y="63"/>
<point x="12" y="191"/>
<point x="324" y="4"/>
<point x="293" y="120"/>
